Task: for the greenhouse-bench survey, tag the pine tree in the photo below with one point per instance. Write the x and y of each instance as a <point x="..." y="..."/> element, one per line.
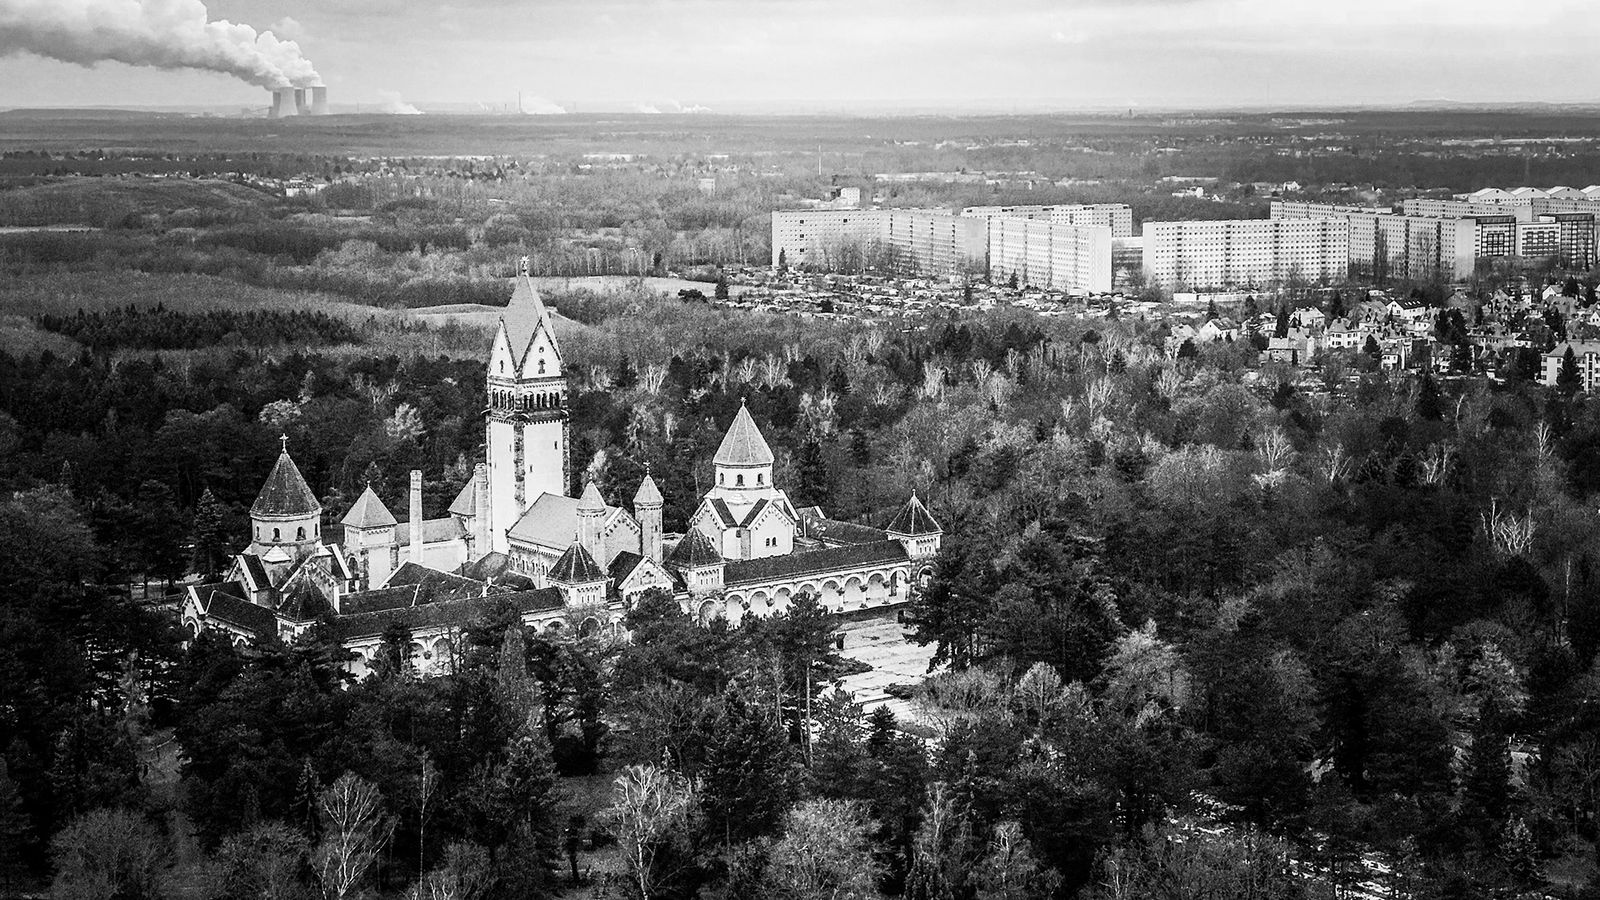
<point x="1281" y="329"/>
<point x="1429" y="403"/>
<point x="1568" y="381"/>
<point x="1487" y="782"/>
<point x="210" y="537"/>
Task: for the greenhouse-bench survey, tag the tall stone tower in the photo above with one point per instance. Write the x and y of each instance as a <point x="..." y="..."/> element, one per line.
<point x="527" y="429"/>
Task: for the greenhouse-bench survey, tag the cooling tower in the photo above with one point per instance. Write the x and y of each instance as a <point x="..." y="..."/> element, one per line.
<point x="282" y="103"/>
<point x="319" y="100"/>
<point x="301" y="106"/>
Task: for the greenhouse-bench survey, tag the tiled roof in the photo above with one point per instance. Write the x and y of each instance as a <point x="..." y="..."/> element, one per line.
<point x="720" y="506"/>
<point x="434" y="531"/>
<point x="591" y="498"/>
<point x="424" y="615"/>
<point x="623" y="564"/>
<point x="743" y="445"/>
<point x="815" y="562"/>
<point x="694" y="550"/>
<point x="552" y="521"/>
<point x="256" y="571"/>
<point x="914" y="518"/>
<point x="286" y="493"/>
<point x="433" y="584"/>
<point x="303" y="603"/>
<point x="368" y="512"/>
<point x="377" y="599"/>
<point x="834" y="532"/>
<point x="576" y="566"/>
<point x="224" y="607"/>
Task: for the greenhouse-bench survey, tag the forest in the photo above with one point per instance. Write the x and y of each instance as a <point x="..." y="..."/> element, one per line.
<point x="1198" y="626"/>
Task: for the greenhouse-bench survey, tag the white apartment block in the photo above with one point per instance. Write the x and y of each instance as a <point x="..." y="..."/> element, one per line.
<point x="1117" y="216"/>
<point x="937" y="243"/>
<point x="1205" y="255"/>
<point x="1585" y="353"/>
<point x="1382" y="244"/>
<point x="826" y="238"/>
<point x="1076" y="259"/>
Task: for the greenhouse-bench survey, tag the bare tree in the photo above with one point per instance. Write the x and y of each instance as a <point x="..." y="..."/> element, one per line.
<point x="650" y="809"/>
<point x="355" y="830"/>
<point x="826" y="853"/>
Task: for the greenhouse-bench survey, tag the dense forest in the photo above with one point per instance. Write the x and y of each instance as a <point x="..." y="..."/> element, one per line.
<point x="1198" y="623"/>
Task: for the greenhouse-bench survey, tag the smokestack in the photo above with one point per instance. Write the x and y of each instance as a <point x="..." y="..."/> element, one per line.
<point x="480" y="514"/>
<point x="319" y="100"/>
<point x="416" y="516"/>
<point x="301" y="106"/>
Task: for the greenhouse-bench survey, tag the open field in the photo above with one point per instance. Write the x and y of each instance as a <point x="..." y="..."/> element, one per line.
<point x="94" y="202"/>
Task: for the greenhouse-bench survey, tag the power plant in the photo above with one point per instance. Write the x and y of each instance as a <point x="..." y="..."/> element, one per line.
<point x="302" y="101"/>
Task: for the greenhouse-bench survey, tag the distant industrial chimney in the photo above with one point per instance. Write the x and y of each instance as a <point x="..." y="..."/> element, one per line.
<point x="319" y="100"/>
<point x="302" y="106"/>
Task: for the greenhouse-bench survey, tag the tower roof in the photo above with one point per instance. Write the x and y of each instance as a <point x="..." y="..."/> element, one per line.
<point x="743" y="445"/>
<point x="286" y="494"/>
<point x="576" y="566"/>
<point x="368" y="512"/>
<point x="525" y="315"/>
<point x="647" y="494"/>
<point x="591" y="499"/>
<point x="693" y="551"/>
<point x="913" y="519"/>
<point x="466" y="502"/>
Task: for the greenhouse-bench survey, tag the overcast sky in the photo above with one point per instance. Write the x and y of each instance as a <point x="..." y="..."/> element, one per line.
<point x="964" y="53"/>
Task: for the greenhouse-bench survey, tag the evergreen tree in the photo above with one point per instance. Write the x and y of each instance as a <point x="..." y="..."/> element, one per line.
<point x="1430" y="406"/>
<point x="209" y="534"/>
<point x="1281" y="328"/>
<point x="1486" y="785"/>
<point x="1568" y="381"/>
<point x="750" y="772"/>
<point x="721" y="292"/>
<point x="815" y="485"/>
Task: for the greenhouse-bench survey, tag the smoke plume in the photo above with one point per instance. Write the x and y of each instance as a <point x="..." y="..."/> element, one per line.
<point x="392" y="104"/>
<point x="165" y="34"/>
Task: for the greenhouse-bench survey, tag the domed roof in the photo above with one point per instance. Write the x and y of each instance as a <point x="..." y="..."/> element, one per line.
<point x="576" y="566"/>
<point x="693" y="551"/>
<point x="743" y="445"/>
<point x="286" y="494"/>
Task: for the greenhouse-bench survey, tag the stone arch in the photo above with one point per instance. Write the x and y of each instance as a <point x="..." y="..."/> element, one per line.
<point x="877" y="588"/>
<point x="708" y="613"/>
<point x="444" y="655"/>
<point x="832" y="595"/>
<point x="555" y="626"/>
<point x="589" y="627"/>
<point x="853" y="592"/>
<point x="760" y="602"/>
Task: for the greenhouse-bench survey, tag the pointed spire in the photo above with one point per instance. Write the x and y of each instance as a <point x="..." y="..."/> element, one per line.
<point x="368" y="512"/>
<point x="743" y="445"/>
<point x="285" y="493"/>
<point x="525" y="316"/>
<point x="591" y="499"/>
<point x="647" y="494"/>
<point x="914" y="519"/>
<point x="576" y="566"/>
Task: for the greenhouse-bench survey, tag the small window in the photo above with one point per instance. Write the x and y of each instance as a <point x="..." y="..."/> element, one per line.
<point x="502" y="367"/>
<point x="300" y="534"/>
<point x="541" y="367"/>
<point x="722" y="478"/>
<point x="740" y="481"/>
<point x="759" y="476"/>
<point x="276" y="536"/>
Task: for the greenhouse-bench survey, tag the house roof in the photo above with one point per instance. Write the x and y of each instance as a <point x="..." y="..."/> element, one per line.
<point x="576" y="566"/>
<point x="914" y="519"/>
<point x="434" y="531"/>
<point x="552" y="521"/>
<point x="368" y="512"/>
<point x="424" y="615"/>
<point x="813" y="562"/>
<point x="693" y="551"/>
<point x="525" y="314"/>
<point x="435" y="585"/>
<point x="623" y="564"/>
<point x="466" y="502"/>
<point x="1579" y="348"/>
<point x="815" y="525"/>
<point x="286" y="494"/>
<point x="255" y="571"/>
<point x="221" y="603"/>
<point x="743" y="445"/>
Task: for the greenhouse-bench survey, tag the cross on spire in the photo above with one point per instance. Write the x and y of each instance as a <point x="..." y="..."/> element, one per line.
<point x="283" y="442"/>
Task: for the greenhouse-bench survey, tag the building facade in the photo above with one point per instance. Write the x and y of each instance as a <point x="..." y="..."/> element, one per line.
<point x="1253" y="253"/>
<point x="1116" y="216"/>
<point x="1041" y="253"/>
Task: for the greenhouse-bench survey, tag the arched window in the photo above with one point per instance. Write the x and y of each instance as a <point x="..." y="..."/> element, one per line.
<point x="738" y="481"/>
<point x="541" y="367"/>
<point x="759" y="477"/>
<point x="300" y="534"/>
<point x="275" y="536"/>
<point x="502" y="367"/>
<point x="258" y="532"/>
<point x="722" y="478"/>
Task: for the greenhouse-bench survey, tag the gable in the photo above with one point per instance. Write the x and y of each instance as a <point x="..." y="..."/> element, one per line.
<point x="502" y="362"/>
<point x="540" y="349"/>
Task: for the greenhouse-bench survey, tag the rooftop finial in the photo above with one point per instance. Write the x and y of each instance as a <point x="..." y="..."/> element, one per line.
<point x="522" y="265"/>
<point x="283" y="443"/>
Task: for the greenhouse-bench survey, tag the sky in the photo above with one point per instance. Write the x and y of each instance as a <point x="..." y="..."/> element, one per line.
<point x="1017" y="55"/>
